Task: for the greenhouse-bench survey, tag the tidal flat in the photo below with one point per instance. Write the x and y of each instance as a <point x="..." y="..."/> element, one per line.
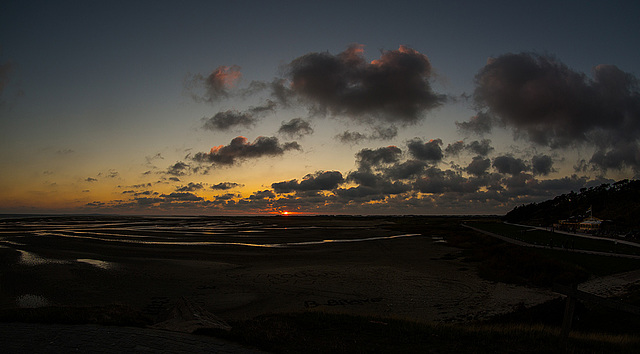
<point x="240" y="267"/>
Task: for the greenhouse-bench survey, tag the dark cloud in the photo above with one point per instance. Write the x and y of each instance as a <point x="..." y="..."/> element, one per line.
<point x="281" y="91"/>
<point x="429" y="151"/>
<point x="368" y="158"/>
<point x="480" y="124"/>
<point x="478" y="166"/>
<point x="349" y="137"/>
<point x="454" y="148"/>
<point x="178" y="169"/>
<point x="378" y="133"/>
<point x="240" y="148"/>
<point x="380" y="191"/>
<point x="216" y="85"/>
<point x="191" y="187"/>
<point x="365" y="178"/>
<point x="260" y="195"/>
<point x="542" y="165"/>
<point x="146" y="201"/>
<point x="223" y="121"/>
<point x="524" y="185"/>
<point x="225" y="197"/>
<point x="296" y="127"/>
<point x="268" y="106"/>
<point x="321" y="180"/>
<point x="438" y="181"/>
<point x="91" y="179"/>
<point x="393" y="88"/>
<point x="384" y="133"/>
<point x="285" y="186"/>
<point x="509" y="164"/>
<point x="181" y="196"/>
<point x="548" y="103"/>
<point x="406" y="170"/>
<point x="223" y="186"/>
<point x="146" y="193"/>
<point x="371" y="186"/>
<point x="482" y="148"/>
<point x="622" y="154"/>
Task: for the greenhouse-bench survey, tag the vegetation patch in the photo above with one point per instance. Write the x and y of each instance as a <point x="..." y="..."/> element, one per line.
<point x="555" y="239"/>
<point x="112" y="315"/>
<point x="317" y="332"/>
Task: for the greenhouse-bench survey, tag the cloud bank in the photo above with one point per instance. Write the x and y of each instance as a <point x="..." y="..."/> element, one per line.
<point x="394" y="88"/>
<point x="549" y="104"/>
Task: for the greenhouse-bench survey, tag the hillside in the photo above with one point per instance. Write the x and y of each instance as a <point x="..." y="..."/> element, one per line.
<point x="618" y="203"/>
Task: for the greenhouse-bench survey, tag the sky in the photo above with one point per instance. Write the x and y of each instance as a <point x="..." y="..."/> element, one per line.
<point x="307" y="107"/>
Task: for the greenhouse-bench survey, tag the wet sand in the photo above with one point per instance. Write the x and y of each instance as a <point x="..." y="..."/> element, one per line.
<point x="410" y="277"/>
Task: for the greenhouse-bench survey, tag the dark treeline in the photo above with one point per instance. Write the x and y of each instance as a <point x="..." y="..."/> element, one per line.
<point x="617" y="203"/>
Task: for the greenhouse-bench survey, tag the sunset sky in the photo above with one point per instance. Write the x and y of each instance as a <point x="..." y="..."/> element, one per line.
<point x="321" y="107"/>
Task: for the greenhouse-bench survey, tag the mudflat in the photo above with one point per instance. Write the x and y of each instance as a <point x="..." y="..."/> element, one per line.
<point x="238" y="268"/>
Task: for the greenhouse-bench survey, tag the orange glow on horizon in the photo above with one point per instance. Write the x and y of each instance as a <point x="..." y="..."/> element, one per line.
<point x="288" y="213"/>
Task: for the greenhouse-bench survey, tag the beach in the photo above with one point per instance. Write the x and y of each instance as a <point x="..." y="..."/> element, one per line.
<point x="239" y="268"/>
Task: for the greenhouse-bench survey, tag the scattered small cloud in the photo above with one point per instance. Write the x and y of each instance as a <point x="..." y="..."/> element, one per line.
<point x="191" y="187"/>
<point x="216" y="85"/>
<point x="352" y="138"/>
<point x="182" y="196"/>
<point x="241" y="149"/>
<point x="178" y="169"/>
<point x="109" y="174"/>
<point x="223" y="186"/>
<point x="224" y="121"/>
<point x="295" y="128"/>
<point x="455" y="148"/>
<point x="482" y="148"/>
<point x="480" y="124"/>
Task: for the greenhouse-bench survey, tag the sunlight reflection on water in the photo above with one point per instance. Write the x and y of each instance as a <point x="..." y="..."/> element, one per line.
<point x="32" y="259"/>
<point x="97" y="263"/>
<point x="204" y="243"/>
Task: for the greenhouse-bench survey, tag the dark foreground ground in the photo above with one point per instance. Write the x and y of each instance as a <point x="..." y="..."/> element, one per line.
<point x="61" y="338"/>
<point x="250" y="271"/>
